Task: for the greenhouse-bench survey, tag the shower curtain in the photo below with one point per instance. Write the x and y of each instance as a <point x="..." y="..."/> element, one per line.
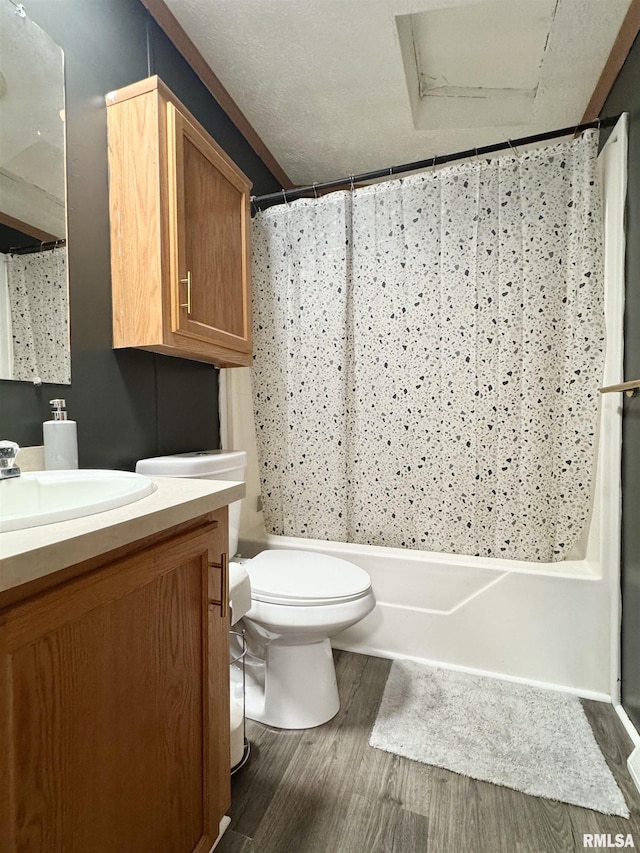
<point x="37" y="284"/>
<point x="427" y="357"/>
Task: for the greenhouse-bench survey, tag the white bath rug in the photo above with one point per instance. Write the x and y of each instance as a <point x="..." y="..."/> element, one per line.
<point x="532" y="740"/>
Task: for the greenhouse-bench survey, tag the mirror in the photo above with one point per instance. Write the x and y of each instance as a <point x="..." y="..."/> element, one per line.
<point x="34" y="315"/>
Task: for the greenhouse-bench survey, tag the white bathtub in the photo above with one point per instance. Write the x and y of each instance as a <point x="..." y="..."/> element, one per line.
<point x="543" y="623"/>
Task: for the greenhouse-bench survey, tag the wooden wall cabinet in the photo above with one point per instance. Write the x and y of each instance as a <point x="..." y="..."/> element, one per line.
<point x="180" y="217"/>
<point x="114" y="704"/>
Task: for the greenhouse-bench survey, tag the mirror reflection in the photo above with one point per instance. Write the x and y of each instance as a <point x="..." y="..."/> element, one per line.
<point x="34" y="317"/>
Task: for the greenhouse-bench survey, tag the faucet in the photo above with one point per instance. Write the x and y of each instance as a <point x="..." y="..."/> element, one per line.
<point x="8" y="467"/>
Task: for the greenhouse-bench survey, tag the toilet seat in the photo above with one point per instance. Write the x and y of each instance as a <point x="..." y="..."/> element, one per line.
<point x="305" y="578"/>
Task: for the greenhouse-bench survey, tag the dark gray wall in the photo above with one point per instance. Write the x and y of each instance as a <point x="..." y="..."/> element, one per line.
<point x="128" y="404"/>
<point x="625" y="97"/>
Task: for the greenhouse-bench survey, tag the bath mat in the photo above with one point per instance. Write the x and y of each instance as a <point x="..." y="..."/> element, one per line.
<point x="532" y="740"/>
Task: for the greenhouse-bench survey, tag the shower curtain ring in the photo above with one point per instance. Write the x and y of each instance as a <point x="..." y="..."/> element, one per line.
<point x="315" y="192"/>
<point x="513" y="148"/>
<point x="351" y="177"/>
<point x="433" y="163"/>
<point x="284" y="196"/>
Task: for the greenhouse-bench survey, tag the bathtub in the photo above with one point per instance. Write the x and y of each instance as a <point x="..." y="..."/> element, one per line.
<point x="545" y="624"/>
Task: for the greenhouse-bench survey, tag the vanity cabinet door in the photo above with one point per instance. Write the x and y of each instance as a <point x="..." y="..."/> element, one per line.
<point x="180" y="246"/>
<point x="114" y="707"/>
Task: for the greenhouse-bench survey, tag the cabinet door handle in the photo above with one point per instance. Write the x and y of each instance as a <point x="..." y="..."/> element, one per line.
<point x="187" y="281"/>
<point x="223" y="565"/>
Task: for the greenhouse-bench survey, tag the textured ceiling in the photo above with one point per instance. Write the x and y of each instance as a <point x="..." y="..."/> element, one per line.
<point x="329" y="87"/>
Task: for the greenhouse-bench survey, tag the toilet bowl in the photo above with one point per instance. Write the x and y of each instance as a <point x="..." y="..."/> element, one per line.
<point x="299" y="599"/>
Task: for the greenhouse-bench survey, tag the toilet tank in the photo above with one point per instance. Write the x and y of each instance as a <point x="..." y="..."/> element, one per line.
<point x="203" y="465"/>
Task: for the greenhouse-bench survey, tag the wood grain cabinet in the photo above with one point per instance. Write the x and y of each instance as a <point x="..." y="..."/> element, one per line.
<point x="114" y="704"/>
<point x="179" y="210"/>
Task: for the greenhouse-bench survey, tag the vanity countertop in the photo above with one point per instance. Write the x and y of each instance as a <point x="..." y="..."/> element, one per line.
<point x="26" y="555"/>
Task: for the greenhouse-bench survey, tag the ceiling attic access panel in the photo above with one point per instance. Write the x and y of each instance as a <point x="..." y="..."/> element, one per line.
<point x="475" y="65"/>
<point x="179" y="210"/>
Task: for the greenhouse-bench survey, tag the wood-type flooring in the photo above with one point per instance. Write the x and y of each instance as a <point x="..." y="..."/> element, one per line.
<point x="325" y="790"/>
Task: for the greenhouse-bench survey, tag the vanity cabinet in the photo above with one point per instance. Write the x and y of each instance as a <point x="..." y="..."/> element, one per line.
<point x="114" y="702"/>
<point x="179" y="211"/>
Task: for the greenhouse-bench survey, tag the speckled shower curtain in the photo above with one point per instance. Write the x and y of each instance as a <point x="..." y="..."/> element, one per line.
<point x="427" y="357"/>
<point x="37" y="285"/>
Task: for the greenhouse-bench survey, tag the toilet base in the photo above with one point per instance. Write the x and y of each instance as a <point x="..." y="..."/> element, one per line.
<point x="299" y="691"/>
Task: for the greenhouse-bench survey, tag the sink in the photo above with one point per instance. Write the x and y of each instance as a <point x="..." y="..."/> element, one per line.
<point x="43" y="497"/>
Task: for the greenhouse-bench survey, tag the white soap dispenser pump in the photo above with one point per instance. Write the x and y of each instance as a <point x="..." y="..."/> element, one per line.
<point x="60" y="439"/>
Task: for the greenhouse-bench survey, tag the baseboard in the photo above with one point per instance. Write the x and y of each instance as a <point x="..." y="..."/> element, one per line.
<point x="633" y="764"/>
<point x="224" y="825"/>
<point x="629" y="726"/>
<point x="544" y="685"/>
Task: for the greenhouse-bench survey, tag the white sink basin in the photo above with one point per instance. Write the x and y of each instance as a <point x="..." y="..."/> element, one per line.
<point x="43" y="497"/>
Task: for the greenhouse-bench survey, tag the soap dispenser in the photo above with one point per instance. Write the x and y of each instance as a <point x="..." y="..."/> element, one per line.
<point x="60" y="439"/>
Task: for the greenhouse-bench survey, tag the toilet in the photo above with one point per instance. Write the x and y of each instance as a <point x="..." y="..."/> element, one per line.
<point x="299" y="600"/>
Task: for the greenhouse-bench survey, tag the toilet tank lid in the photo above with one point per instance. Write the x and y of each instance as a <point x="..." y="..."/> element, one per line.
<point x="198" y="463"/>
<point x="305" y="577"/>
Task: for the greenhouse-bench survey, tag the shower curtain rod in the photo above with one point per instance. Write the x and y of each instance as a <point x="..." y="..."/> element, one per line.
<point x="290" y="195"/>
<point x="41" y="247"/>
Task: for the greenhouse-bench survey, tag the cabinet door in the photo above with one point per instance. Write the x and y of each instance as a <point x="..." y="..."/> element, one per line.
<point x="210" y="244"/>
<point x="106" y="711"/>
